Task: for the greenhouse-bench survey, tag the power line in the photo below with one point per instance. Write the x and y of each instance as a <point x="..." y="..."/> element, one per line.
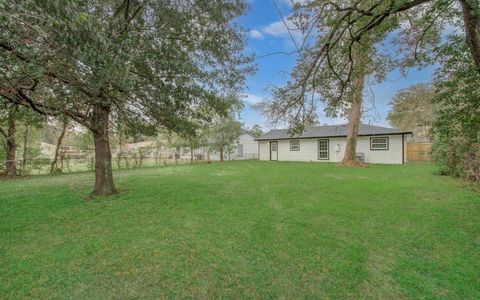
<point x="286" y="26"/>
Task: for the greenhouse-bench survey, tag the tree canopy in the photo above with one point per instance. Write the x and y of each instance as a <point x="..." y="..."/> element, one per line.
<point x="409" y="31"/>
<point x="256" y="130"/>
<point x="456" y="130"/>
<point x="413" y="107"/>
<point x="324" y="64"/>
<point x="144" y="63"/>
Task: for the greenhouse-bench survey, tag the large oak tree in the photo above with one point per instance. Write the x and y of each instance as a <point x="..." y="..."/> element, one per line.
<point x="139" y="62"/>
<point x="341" y="27"/>
<point x="320" y="72"/>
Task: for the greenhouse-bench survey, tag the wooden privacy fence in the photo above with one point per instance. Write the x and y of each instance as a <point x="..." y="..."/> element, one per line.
<point x="418" y="151"/>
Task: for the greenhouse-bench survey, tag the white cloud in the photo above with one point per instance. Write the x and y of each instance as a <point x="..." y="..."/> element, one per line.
<point x="290" y="34"/>
<point x="279" y="29"/>
<point x="287" y="30"/>
<point x="255" y="34"/>
<point x="252" y="99"/>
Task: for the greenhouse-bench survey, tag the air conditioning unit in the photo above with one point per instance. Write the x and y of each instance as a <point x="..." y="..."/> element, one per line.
<point x="360" y="157"/>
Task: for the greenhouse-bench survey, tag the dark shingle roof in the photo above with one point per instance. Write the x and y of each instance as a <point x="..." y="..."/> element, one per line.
<point x="330" y="131"/>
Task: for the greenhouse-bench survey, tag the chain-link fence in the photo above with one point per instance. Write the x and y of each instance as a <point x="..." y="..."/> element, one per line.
<point x="40" y="166"/>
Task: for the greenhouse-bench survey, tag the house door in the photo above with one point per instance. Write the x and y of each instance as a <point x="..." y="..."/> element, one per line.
<point x="273" y="150"/>
<point x="323" y="150"/>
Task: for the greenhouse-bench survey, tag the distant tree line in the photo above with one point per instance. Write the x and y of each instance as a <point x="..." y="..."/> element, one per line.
<point x="413" y="108"/>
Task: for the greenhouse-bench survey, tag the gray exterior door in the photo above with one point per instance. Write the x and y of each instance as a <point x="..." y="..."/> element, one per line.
<point x="273" y="150"/>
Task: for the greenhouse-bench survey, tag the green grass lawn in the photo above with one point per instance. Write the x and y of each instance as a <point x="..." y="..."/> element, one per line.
<point x="242" y="230"/>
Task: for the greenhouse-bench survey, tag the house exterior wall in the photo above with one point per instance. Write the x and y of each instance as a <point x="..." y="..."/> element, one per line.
<point x="264" y="150"/>
<point x="250" y="147"/>
<point x="250" y="150"/>
<point x="309" y="150"/>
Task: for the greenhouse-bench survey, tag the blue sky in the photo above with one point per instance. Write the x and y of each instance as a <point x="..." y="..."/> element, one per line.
<point x="267" y="34"/>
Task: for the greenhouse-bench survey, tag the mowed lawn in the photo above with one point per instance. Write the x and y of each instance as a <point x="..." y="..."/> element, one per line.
<point x="242" y="230"/>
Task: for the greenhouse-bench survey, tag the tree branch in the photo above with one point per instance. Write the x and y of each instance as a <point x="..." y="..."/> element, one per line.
<point x="471" y="18"/>
<point x="20" y="98"/>
<point x="3" y="132"/>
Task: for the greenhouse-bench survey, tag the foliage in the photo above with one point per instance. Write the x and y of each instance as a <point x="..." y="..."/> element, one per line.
<point x="3" y="146"/>
<point x="117" y="53"/>
<point x="323" y="65"/>
<point x="190" y="141"/>
<point x="82" y="140"/>
<point x="457" y="129"/>
<point x="333" y="69"/>
<point x="256" y="130"/>
<point x="33" y="141"/>
<point x="412" y="108"/>
<point x="49" y="133"/>
<point x="325" y="69"/>
<point x="243" y="230"/>
<point x="25" y="122"/>
<point x="148" y="64"/>
<point x="224" y="133"/>
<point x="22" y="116"/>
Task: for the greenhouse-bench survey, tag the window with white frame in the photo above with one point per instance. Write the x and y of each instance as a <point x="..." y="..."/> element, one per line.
<point x="295" y="145"/>
<point x="240" y="150"/>
<point x="323" y="150"/>
<point x="379" y="143"/>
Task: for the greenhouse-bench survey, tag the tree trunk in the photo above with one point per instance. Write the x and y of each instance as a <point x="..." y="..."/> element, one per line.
<point x="120" y="149"/>
<point x="221" y="146"/>
<point x="125" y="158"/>
<point x="25" y="149"/>
<point x="53" y="166"/>
<point x="104" y="184"/>
<point x="471" y="19"/>
<point x="119" y="160"/>
<point x="62" y="158"/>
<point x="191" y="155"/>
<point x="355" y="112"/>
<point x="11" y="149"/>
<point x="354" y="115"/>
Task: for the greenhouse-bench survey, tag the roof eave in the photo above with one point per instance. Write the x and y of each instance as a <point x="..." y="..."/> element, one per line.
<point x="330" y="136"/>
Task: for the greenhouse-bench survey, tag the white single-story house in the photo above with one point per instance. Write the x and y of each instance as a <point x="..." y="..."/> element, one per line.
<point x="375" y="144"/>
<point x="245" y="147"/>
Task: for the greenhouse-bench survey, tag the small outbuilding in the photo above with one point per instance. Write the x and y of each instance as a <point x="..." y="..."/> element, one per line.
<point x="375" y="144"/>
<point x="246" y="146"/>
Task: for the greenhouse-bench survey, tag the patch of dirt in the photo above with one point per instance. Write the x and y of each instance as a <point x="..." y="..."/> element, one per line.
<point x="352" y="163"/>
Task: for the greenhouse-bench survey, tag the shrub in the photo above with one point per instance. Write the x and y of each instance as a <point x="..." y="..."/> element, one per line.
<point x="456" y="132"/>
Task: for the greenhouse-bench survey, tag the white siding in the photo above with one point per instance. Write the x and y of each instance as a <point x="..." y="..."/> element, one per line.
<point x="250" y="150"/>
<point x="309" y="147"/>
<point x="264" y="149"/>
<point x="250" y="147"/>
